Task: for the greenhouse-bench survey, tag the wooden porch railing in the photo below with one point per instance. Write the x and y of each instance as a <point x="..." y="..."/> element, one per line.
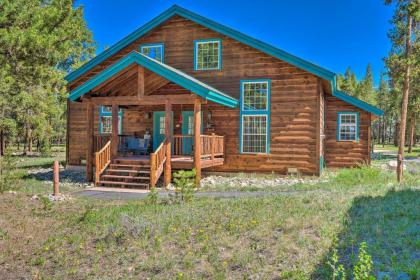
<point x="157" y="161"/>
<point x="182" y="145"/>
<point x="212" y="146"/>
<point x="102" y="160"/>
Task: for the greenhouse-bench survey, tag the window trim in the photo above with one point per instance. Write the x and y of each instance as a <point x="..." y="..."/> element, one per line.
<point x="251" y="112"/>
<point x="161" y="45"/>
<point x="339" y="114"/>
<point x="197" y="42"/>
<point x="103" y="113"/>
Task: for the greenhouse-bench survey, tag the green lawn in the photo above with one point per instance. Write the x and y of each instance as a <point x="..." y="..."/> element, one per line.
<point x="288" y="236"/>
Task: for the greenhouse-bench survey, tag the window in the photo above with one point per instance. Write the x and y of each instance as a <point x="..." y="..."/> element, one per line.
<point x="254" y="134"/>
<point x="255" y="96"/>
<point x="105" y="120"/>
<point x="348" y="126"/>
<point x="162" y="125"/>
<point x="255" y="116"/>
<point x="154" y="51"/>
<point x="208" y="54"/>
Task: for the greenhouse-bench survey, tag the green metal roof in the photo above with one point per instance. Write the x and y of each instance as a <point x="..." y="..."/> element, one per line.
<point x="164" y="70"/>
<point x="257" y="44"/>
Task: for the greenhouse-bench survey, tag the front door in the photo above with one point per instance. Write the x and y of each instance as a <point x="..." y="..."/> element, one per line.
<point x="159" y="128"/>
<point x="188" y="130"/>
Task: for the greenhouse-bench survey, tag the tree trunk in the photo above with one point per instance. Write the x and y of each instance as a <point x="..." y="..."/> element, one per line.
<point x="404" y="105"/>
<point x="411" y="132"/>
<point x="29" y="139"/>
<point x="2" y="143"/>
<point x="383" y="132"/>
<point x="397" y="128"/>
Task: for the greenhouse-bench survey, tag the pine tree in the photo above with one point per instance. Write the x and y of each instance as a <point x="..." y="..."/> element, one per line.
<point x="401" y="60"/>
<point x="39" y="42"/>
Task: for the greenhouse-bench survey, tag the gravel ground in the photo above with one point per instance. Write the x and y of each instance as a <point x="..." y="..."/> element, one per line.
<point x="256" y="182"/>
<point x="75" y="178"/>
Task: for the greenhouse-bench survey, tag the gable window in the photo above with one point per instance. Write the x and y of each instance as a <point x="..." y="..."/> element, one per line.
<point x="154" y="51"/>
<point x="105" y="120"/>
<point x="348" y="126"/>
<point x="255" y="116"/>
<point x="208" y="54"/>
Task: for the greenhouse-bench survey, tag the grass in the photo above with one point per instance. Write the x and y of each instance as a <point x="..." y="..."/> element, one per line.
<point x="286" y="236"/>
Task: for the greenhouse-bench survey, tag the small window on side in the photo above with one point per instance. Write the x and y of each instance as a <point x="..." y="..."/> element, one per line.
<point x="155" y="51"/>
<point x="348" y="126"/>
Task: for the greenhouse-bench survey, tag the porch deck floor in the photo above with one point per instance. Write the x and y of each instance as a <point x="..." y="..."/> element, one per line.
<point x="177" y="162"/>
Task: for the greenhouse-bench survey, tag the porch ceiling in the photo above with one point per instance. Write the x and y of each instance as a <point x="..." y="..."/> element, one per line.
<point x="121" y="79"/>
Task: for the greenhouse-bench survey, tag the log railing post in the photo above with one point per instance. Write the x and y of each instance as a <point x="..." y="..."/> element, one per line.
<point x="197" y="140"/>
<point x="167" y="175"/>
<point x="213" y="146"/>
<point x="153" y="167"/>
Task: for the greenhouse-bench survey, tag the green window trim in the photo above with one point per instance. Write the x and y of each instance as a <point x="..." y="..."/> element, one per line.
<point x="256" y="115"/>
<point x="108" y="113"/>
<point x="197" y="43"/>
<point x="356" y="116"/>
<point x="160" y="46"/>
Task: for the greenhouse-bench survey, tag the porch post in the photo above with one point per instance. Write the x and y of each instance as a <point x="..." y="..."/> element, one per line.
<point x="114" y="147"/>
<point x="167" y="175"/>
<point x="197" y="140"/>
<point x="89" y="141"/>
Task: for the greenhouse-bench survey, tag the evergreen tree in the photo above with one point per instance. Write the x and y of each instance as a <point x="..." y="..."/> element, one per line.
<point x="40" y="41"/>
<point x="401" y="60"/>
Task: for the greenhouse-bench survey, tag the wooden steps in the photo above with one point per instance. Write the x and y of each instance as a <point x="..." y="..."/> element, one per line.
<point x="126" y="174"/>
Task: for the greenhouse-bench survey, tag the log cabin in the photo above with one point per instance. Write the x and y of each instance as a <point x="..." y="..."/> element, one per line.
<point x="184" y="92"/>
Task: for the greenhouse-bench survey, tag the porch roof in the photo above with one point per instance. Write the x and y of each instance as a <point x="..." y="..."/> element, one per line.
<point x="172" y="74"/>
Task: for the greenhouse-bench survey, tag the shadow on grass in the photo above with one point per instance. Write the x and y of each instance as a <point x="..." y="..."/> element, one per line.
<point x="390" y="225"/>
<point x="70" y="176"/>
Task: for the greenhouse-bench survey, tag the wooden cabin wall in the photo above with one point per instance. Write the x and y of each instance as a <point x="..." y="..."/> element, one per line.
<point x="345" y="153"/>
<point x="76" y="133"/>
<point x="294" y="92"/>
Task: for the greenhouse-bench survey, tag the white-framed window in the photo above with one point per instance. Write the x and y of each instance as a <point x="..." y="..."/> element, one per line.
<point x="254" y="133"/>
<point x="255" y="116"/>
<point x="255" y="96"/>
<point x="105" y="120"/>
<point x="208" y="54"/>
<point x="155" y="51"/>
<point x="348" y="126"/>
<point x="162" y="125"/>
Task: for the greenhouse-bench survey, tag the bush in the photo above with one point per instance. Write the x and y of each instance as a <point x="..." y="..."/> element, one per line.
<point x="184" y="184"/>
<point x="7" y="174"/>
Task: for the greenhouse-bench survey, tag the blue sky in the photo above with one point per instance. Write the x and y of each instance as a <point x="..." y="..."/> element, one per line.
<point x="334" y="34"/>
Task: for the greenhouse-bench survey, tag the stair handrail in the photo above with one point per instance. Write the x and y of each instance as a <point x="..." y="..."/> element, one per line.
<point x="157" y="161"/>
<point x="102" y="160"/>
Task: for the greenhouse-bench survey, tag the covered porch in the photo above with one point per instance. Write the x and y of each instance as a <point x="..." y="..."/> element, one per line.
<point x="164" y="127"/>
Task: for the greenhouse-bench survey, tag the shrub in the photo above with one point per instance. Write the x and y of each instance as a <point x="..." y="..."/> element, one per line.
<point x="338" y="270"/>
<point x="184" y="184"/>
<point x="152" y="197"/>
<point x="363" y="268"/>
<point x="7" y="174"/>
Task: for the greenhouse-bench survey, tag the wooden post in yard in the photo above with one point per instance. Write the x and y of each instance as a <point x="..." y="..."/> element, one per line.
<point x="56" y="172"/>
<point x="197" y="140"/>
<point x="168" y="168"/>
